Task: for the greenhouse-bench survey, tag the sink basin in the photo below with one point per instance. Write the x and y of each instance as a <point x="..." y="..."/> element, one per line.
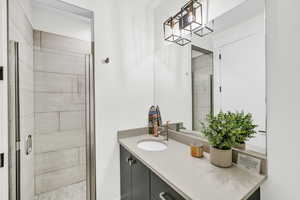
<point x="152" y="145"/>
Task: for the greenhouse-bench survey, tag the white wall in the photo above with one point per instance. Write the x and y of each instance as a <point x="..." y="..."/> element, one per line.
<point x="61" y="22"/>
<point x="219" y="7"/>
<point x="283" y="30"/>
<point x="3" y="103"/>
<point x="124" y="92"/>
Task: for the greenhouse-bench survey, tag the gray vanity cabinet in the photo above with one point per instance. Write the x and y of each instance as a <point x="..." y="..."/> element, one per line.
<point x="160" y="190"/>
<point x="135" y="177"/>
<point x="139" y="183"/>
<point x="125" y="174"/>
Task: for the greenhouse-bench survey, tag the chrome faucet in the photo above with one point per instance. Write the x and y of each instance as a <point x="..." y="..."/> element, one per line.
<point x="164" y="130"/>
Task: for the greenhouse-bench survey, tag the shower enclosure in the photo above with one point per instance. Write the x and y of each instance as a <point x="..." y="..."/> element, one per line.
<point x="202" y="85"/>
<point x="51" y="104"/>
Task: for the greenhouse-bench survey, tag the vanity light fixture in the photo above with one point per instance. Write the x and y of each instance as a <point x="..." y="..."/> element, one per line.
<point x="208" y="26"/>
<point x="185" y="35"/>
<point x="191" y="16"/>
<point x="173" y="33"/>
<point x="205" y="30"/>
<point x="171" y="29"/>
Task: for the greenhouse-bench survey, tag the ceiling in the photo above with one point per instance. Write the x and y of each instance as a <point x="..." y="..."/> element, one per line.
<point x="239" y="14"/>
<point x="63" y="6"/>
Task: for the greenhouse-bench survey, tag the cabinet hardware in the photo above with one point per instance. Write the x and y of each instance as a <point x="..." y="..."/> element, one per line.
<point x="130" y="161"/>
<point x="165" y="196"/>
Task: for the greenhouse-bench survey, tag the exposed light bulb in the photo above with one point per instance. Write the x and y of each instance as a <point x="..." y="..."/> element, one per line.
<point x="190" y="17"/>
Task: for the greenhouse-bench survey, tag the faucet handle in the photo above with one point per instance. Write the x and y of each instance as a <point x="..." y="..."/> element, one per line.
<point x="167" y="124"/>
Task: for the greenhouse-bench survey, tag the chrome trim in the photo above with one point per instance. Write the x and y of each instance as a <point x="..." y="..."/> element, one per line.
<point x="17" y="122"/>
<point x="90" y="126"/>
<point x="211" y="80"/>
<point x="14" y="125"/>
<point x="18" y="146"/>
<point x="161" y="196"/>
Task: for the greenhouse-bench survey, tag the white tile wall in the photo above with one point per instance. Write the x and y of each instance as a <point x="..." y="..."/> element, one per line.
<point x="54" y="180"/>
<point x="50" y="102"/>
<point x="52" y="161"/>
<point x="72" y="120"/>
<point x="57" y="42"/>
<point x="59" y="141"/>
<point x="55" y="83"/>
<point x="48" y="60"/>
<point x="76" y="191"/>
<point x="60" y="159"/>
<point x="46" y="122"/>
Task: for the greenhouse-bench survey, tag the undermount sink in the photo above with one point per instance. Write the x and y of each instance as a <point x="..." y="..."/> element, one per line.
<point x="152" y="145"/>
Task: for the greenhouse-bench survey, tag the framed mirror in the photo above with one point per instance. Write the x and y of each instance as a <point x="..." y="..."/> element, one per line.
<point x="222" y="71"/>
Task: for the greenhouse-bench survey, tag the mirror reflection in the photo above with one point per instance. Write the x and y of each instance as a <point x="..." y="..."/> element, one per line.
<point x="220" y="71"/>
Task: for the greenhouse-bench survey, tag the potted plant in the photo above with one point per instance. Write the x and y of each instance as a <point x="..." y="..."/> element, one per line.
<point x="246" y="129"/>
<point x="224" y="131"/>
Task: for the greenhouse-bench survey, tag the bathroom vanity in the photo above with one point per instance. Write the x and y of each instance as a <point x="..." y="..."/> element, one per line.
<point x="172" y="174"/>
<point x="139" y="182"/>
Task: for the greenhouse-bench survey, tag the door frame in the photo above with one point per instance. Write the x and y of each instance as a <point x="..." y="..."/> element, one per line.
<point x="4" y="182"/>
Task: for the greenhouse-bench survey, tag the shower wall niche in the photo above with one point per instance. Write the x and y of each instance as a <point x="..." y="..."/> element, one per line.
<point x="59" y="114"/>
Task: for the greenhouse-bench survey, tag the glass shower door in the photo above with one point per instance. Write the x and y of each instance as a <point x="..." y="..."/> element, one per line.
<point x="51" y="110"/>
<point x="21" y="100"/>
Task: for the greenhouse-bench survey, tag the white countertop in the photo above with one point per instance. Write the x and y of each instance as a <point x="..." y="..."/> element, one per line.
<point x="194" y="178"/>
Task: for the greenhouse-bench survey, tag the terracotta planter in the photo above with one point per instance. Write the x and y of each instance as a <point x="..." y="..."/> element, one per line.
<point x="221" y="158"/>
<point x="241" y="146"/>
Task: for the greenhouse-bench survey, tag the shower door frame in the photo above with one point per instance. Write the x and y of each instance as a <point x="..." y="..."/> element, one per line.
<point x="90" y="119"/>
<point x="91" y="189"/>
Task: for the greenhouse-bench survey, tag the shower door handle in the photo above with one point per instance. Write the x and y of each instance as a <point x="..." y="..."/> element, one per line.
<point x="28" y="145"/>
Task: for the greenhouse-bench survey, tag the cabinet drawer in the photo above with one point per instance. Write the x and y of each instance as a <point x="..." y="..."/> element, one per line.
<point x="161" y="191"/>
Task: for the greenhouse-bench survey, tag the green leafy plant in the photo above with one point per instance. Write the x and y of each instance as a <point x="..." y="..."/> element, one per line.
<point x="226" y="130"/>
<point x="246" y="128"/>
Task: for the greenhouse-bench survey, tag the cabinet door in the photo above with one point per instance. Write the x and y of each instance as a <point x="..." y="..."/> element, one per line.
<point x="140" y="181"/>
<point x="125" y="156"/>
<point x="255" y="195"/>
<point x="160" y="190"/>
